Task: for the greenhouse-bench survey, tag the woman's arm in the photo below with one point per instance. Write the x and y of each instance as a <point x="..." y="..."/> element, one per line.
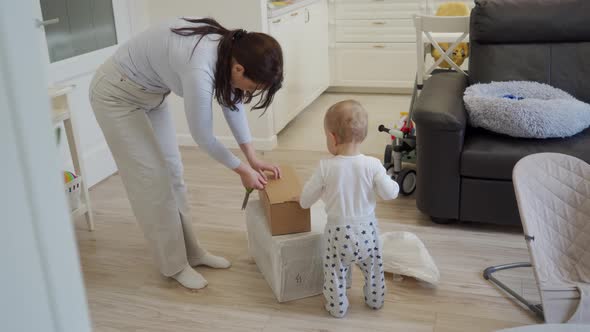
<point x="237" y="120"/>
<point x="198" y="97"/>
<point x="197" y="85"/>
<point x="259" y="164"/>
<point x="238" y="123"/>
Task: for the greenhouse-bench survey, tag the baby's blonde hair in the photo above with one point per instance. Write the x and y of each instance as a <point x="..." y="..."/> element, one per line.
<point x="347" y="120"/>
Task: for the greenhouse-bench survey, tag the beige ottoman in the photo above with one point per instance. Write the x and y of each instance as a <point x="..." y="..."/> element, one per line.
<point x="291" y="264"/>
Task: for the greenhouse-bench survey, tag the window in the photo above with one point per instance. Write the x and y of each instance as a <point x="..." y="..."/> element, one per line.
<point x="84" y="26"/>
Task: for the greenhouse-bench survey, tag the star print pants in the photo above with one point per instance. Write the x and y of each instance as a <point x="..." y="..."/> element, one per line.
<point x="346" y="244"/>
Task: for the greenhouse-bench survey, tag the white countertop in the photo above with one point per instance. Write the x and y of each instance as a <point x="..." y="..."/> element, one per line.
<point x="278" y="11"/>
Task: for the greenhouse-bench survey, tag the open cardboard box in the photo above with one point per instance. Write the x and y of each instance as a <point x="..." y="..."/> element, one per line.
<point x="280" y="200"/>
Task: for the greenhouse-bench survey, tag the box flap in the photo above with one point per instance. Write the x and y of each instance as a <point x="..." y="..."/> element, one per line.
<point x="284" y="189"/>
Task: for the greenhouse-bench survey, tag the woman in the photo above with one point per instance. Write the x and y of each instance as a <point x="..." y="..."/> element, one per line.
<point x="197" y="59"/>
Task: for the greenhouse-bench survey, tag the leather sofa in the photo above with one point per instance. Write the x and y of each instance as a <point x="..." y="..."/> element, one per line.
<point x="465" y="173"/>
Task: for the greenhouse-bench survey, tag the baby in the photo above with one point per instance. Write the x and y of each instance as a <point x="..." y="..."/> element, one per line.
<point x="347" y="183"/>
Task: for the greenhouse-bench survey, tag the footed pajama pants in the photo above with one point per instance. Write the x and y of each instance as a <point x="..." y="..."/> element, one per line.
<point x="140" y="133"/>
<point x="347" y="244"/>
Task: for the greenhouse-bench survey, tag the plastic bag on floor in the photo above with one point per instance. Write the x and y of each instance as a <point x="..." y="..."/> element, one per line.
<point x="404" y="254"/>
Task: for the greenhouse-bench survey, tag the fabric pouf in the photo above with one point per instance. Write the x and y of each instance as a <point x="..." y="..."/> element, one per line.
<point x="525" y="109"/>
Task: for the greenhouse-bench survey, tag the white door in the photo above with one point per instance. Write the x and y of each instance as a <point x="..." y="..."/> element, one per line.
<point x="81" y="34"/>
<point x="77" y="36"/>
<point x="40" y="284"/>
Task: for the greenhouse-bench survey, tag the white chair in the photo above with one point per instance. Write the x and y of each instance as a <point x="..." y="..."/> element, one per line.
<point x="553" y="194"/>
<point x="433" y="30"/>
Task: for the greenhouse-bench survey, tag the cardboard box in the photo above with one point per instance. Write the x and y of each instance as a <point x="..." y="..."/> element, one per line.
<point x="280" y="200"/>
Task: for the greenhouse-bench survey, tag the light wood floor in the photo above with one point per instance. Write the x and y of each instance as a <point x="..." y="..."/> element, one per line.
<point x="126" y="293"/>
<point x="382" y="108"/>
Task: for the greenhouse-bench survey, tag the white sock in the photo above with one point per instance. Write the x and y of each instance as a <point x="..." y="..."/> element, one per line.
<point x="211" y="260"/>
<point x="190" y="278"/>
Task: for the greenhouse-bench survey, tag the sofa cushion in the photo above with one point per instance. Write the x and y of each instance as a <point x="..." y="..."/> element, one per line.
<point x="565" y="66"/>
<point x="525" y="109"/>
<point x="512" y="21"/>
<point x="492" y="156"/>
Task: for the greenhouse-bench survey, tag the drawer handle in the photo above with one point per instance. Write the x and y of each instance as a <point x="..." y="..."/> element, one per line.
<point x="277" y="21"/>
<point x="379" y="23"/>
<point x="295" y="14"/>
<point x="378" y="0"/>
<point x="378" y="46"/>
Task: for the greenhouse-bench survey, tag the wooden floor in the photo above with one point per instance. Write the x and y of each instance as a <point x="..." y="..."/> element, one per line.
<point x="126" y="292"/>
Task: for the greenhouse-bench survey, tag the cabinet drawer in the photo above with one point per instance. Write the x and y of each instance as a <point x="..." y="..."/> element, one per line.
<point x="374" y="31"/>
<point x="377" y="9"/>
<point x="391" y="65"/>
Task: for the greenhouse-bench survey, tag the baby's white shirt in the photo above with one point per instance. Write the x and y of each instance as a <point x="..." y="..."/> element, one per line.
<point x="348" y="185"/>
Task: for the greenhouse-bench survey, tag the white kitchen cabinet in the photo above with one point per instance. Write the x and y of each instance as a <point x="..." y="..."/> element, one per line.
<point x="303" y="35"/>
<point x="315" y="51"/>
<point x="375" y="31"/>
<point x="287" y="30"/>
<point x="373" y="42"/>
<point x="388" y="65"/>
<point x="377" y="9"/>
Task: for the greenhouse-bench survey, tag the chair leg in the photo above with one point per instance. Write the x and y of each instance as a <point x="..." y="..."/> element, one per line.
<point x="89" y="220"/>
<point x="488" y="274"/>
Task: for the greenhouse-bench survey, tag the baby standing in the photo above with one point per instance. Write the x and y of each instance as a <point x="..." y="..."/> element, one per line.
<point x="348" y="183"/>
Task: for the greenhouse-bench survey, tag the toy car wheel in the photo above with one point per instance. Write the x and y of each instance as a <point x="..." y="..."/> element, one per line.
<point x="387" y="156"/>
<point x="406" y="179"/>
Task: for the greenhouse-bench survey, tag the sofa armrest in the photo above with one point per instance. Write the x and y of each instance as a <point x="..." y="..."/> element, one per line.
<point x="441" y="120"/>
<point x="440" y="105"/>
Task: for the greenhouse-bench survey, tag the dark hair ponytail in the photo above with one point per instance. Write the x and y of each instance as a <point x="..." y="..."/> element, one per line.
<point x="259" y="54"/>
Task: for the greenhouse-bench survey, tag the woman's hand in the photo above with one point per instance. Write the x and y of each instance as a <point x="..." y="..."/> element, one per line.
<point x="258" y="164"/>
<point x="261" y="166"/>
<point x="250" y="177"/>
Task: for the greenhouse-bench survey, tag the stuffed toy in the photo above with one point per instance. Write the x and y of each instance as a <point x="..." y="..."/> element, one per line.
<point x="462" y="51"/>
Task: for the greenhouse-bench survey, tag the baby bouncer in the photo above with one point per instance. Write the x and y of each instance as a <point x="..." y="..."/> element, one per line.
<point x="443" y="36"/>
<point x="553" y="195"/>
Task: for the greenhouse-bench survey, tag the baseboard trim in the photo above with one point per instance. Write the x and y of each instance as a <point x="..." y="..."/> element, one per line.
<point x="262" y="144"/>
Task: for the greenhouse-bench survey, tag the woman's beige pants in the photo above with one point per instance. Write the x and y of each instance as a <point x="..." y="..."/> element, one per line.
<point x="140" y="133"/>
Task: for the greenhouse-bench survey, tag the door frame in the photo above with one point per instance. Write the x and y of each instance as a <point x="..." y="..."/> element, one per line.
<point x="41" y="283"/>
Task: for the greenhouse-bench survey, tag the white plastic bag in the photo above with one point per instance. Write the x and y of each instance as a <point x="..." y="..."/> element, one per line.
<point x="404" y="254"/>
